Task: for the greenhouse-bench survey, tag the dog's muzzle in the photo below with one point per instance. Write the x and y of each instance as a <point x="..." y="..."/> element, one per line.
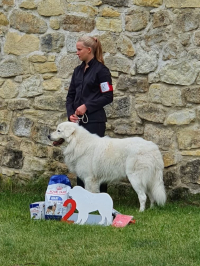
<point x="58" y="142"/>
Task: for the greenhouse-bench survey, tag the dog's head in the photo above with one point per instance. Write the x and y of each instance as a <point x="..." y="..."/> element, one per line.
<point x="63" y="133"/>
<point x="75" y="191"/>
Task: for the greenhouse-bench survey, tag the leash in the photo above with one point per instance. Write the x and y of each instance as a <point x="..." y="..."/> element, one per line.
<point x="82" y="119"/>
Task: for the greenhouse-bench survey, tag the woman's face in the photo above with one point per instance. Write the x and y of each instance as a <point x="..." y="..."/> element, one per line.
<point x="84" y="53"/>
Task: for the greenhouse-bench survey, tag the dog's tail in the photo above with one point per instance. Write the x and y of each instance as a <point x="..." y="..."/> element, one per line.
<point x="158" y="189"/>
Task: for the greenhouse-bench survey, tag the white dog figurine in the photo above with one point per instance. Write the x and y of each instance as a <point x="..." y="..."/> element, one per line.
<point x="96" y="160"/>
<point x="87" y="202"/>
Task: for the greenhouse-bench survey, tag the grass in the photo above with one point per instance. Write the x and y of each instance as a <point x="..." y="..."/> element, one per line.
<point x="161" y="236"/>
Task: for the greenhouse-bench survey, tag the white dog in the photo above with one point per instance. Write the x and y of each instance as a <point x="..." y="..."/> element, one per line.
<point x="96" y="160"/>
<point x="87" y="202"/>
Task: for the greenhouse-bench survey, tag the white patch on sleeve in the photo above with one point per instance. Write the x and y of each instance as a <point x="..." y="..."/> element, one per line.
<point x="105" y="86"/>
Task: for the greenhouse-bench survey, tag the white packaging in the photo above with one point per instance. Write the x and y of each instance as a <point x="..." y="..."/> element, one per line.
<point x="37" y="210"/>
<point x="56" y="195"/>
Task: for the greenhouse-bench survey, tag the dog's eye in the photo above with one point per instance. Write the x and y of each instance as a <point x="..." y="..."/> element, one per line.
<point x="58" y="130"/>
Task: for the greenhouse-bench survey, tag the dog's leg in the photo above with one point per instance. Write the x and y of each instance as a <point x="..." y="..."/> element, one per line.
<point x="92" y="185"/>
<point x="151" y="199"/>
<point x="137" y="185"/>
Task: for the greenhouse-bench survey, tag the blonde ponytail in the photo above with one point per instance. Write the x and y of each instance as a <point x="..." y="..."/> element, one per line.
<point x="95" y="45"/>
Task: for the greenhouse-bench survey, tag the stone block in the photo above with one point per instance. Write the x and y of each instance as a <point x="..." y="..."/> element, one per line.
<point x="28" y="4"/>
<point x="51" y="58"/>
<point x="151" y="112"/>
<point x="22" y="127"/>
<point x="106" y="24"/>
<point x="116" y="3"/>
<point x="197" y="38"/>
<point x="195" y="153"/>
<point x="47" y="76"/>
<point x="18" y="104"/>
<point x="34" y="164"/>
<point x="9" y="89"/>
<point x="181" y="72"/>
<point x="183" y="117"/>
<point x="5" y="119"/>
<point x="153" y="3"/>
<point x="2" y="81"/>
<point x="118" y="63"/>
<point x="8" y="2"/>
<point x="37" y="58"/>
<point x="20" y="45"/>
<point x="125" y="46"/>
<point x="12" y="158"/>
<point x="189" y="138"/>
<point x="27" y="22"/>
<point x="186" y="20"/>
<point x="40" y="151"/>
<point x="3" y="104"/>
<point x="192" y="94"/>
<point x="146" y="62"/>
<point x="109" y="12"/>
<point x="161" y="18"/>
<point x="129" y="128"/>
<point x="173" y="49"/>
<point x="50" y="118"/>
<point x="56" y="154"/>
<point x="12" y="66"/>
<point x="54" y="23"/>
<point x="162" y="136"/>
<point x="52" y="84"/>
<point x="40" y="134"/>
<point x="3" y="20"/>
<point x="181" y="3"/>
<point x="136" y="20"/>
<point x="108" y="43"/>
<point x="50" y="8"/>
<point x="169" y="158"/>
<point x="67" y="64"/>
<point x="171" y="180"/>
<point x="27" y="146"/>
<point x="45" y="67"/>
<point x="193" y="54"/>
<point x="133" y="84"/>
<point x="121" y="107"/>
<point x="166" y="94"/>
<point x="52" y="42"/>
<point x="31" y="87"/>
<point x="190" y="172"/>
<point x="156" y="36"/>
<point x="84" y="9"/>
<point x="56" y="102"/>
<point x="13" y="142"/>
<point x="75" y="23"/>
<point x="71" y="41"/>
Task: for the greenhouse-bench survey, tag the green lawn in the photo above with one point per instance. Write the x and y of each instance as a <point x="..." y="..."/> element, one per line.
<point x="161" y="236"/>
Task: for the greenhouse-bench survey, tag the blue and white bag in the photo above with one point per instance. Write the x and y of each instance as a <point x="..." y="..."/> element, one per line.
<point x="37" y="210"/>
<point x="56" y="195"/>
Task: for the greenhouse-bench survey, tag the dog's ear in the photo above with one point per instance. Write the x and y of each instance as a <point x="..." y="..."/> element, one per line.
<point x="69" y="130"/>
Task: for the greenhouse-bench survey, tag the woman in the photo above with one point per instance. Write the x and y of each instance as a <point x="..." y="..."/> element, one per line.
<point x="90" y="90"/>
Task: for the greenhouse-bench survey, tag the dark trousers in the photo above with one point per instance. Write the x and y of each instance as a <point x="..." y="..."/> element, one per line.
<point x="99" y="129"/>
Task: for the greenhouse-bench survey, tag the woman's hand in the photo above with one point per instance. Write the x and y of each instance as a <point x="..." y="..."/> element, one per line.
<point x="81" y="110"/>
<point x="73" y="118"/>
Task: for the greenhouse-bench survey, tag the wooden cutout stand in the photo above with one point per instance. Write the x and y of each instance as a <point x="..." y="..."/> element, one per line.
<point x="86" y="202"/>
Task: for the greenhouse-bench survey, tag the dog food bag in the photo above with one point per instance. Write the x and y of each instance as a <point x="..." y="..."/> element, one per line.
<point x="37" y="210"/>
<point x="56" y="195"/>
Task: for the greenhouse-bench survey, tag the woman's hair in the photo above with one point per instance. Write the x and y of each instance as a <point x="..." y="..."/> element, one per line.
<point x="95" y="45"/>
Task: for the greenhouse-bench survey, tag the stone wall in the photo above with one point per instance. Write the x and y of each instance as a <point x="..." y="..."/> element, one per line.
<point x="152" y="48"/>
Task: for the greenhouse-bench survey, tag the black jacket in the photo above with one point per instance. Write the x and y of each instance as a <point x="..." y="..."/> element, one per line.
<point x="85" y="89"/>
